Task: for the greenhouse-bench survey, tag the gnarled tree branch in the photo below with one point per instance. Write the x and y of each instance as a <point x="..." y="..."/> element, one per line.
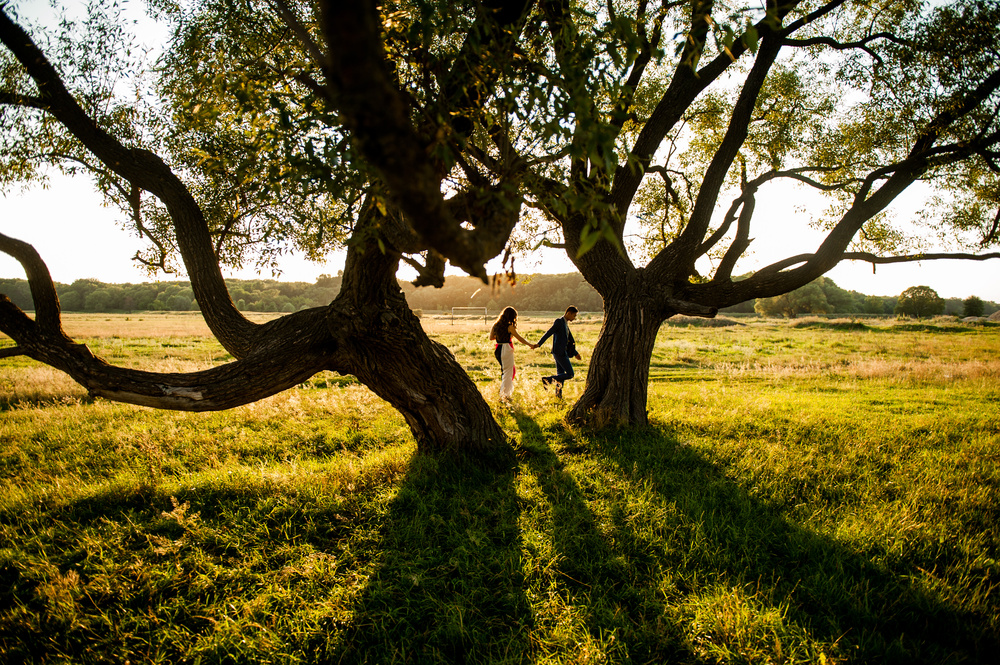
<point x="680" y="254"/>
<point x="43" y="289"/>
<point x="844" y="46"/>
<point x="147" y="171"/>
<point x="378" y="114"/>
<point x="875" y="259"/>
<point x="11" y="352"/>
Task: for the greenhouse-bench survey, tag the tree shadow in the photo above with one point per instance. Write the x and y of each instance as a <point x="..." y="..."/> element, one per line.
<point x="449" y="584"/>
<point x="441" y="571"/>
<point x="866" y="602"/>
<point x="424" y="568"/>
<point x="615" y="590"/>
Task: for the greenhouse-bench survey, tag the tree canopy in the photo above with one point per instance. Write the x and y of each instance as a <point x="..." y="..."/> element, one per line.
<point x="241" y="145"/>
<point x="854" y="101"/>
<point x="973" y="306"/>
<point x="920" y="301"/>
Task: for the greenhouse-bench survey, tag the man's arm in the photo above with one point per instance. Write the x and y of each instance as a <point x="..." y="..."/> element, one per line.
<point x="551" y="331"/>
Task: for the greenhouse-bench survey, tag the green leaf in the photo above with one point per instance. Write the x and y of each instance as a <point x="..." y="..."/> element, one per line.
<point x="588" y="238"/>
<point x="751" y="38"/>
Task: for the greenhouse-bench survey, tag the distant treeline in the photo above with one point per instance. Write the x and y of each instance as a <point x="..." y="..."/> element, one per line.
<point x="541" y="292"/>
<point x="258" y="295"/>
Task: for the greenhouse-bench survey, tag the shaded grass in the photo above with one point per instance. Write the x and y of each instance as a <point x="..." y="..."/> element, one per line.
<point x="803" y="496"/>
<point x="145" y="576"/>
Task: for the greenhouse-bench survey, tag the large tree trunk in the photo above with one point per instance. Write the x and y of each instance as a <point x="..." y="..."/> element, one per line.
<point x="618" y="378"/>
<point x="422" y="380"/>
<point x="386" y="348"/>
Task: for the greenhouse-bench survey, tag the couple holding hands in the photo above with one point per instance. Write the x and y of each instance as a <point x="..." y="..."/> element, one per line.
<point x="504" y="332"/>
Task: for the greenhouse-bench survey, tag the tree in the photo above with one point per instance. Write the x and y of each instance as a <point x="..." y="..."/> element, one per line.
<point x="98" y="301"/>
<point x="973" y="306"/>
<point x="178" y="303"/>
<point x="854" y="101"/>
<point x="317" y="140"/>
<point x="873" y="305"/>
<point x="919" y="301"/>
<point x="821" y="296"/>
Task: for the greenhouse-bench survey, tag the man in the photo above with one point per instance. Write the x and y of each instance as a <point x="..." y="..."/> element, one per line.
<point x="563" y="348"/>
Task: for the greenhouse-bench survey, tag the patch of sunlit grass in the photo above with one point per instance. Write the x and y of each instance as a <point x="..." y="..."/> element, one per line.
<point x="36" y="383"/>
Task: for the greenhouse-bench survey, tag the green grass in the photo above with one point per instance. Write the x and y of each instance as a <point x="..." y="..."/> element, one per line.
<point x="805" y="494"/>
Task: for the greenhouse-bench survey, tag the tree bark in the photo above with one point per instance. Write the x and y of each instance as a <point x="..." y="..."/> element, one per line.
<point x="383" y="344"/>
<point x="422" y="380"/>
<point x="618" y="379"/>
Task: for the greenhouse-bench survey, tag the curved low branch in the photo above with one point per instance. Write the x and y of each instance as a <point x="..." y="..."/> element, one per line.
<point x="300" y="348"/>
<point x="687" y="308"/>
<point x="43" y="289"/>
<point x="241" y="382"/>
<point x="775" y="280"/>
<point x="11" y="352"/>
<point x="288" y="351"/>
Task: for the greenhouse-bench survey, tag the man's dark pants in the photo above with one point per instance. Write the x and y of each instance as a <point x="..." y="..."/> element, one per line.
<point x="564" y="369"/>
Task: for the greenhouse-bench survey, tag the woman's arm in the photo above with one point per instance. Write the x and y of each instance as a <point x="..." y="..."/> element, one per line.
<point x="513" y="333"/>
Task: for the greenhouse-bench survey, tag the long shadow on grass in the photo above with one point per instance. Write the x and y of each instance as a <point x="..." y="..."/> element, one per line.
<point x="721" y="538"/>
<point x="647" y="534"/>
<point x="446" y="584"/>
<point x="612" y="590"/>
<point x="449" y="582"/>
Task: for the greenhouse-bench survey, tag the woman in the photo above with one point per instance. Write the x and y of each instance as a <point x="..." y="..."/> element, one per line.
<point x="504" y="332"/>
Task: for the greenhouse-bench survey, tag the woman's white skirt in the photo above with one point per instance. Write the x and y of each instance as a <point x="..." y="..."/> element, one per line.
<point x="506" y="371"/>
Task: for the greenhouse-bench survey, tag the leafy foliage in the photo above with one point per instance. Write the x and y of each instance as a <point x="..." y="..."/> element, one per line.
<point x="920" y="301"/>
<point x="973" y="306"/>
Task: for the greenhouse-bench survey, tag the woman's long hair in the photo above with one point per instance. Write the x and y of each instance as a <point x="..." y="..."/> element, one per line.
<point x="502" y="324"/>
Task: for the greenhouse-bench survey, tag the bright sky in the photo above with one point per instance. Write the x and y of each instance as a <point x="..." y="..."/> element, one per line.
<point x="79" y="238"/>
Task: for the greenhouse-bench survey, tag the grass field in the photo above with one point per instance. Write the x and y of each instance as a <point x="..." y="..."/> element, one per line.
<point x="809" y="492"/>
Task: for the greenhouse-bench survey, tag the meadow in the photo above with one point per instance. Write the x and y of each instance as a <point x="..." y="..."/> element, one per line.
<point x="810" y="491"/>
